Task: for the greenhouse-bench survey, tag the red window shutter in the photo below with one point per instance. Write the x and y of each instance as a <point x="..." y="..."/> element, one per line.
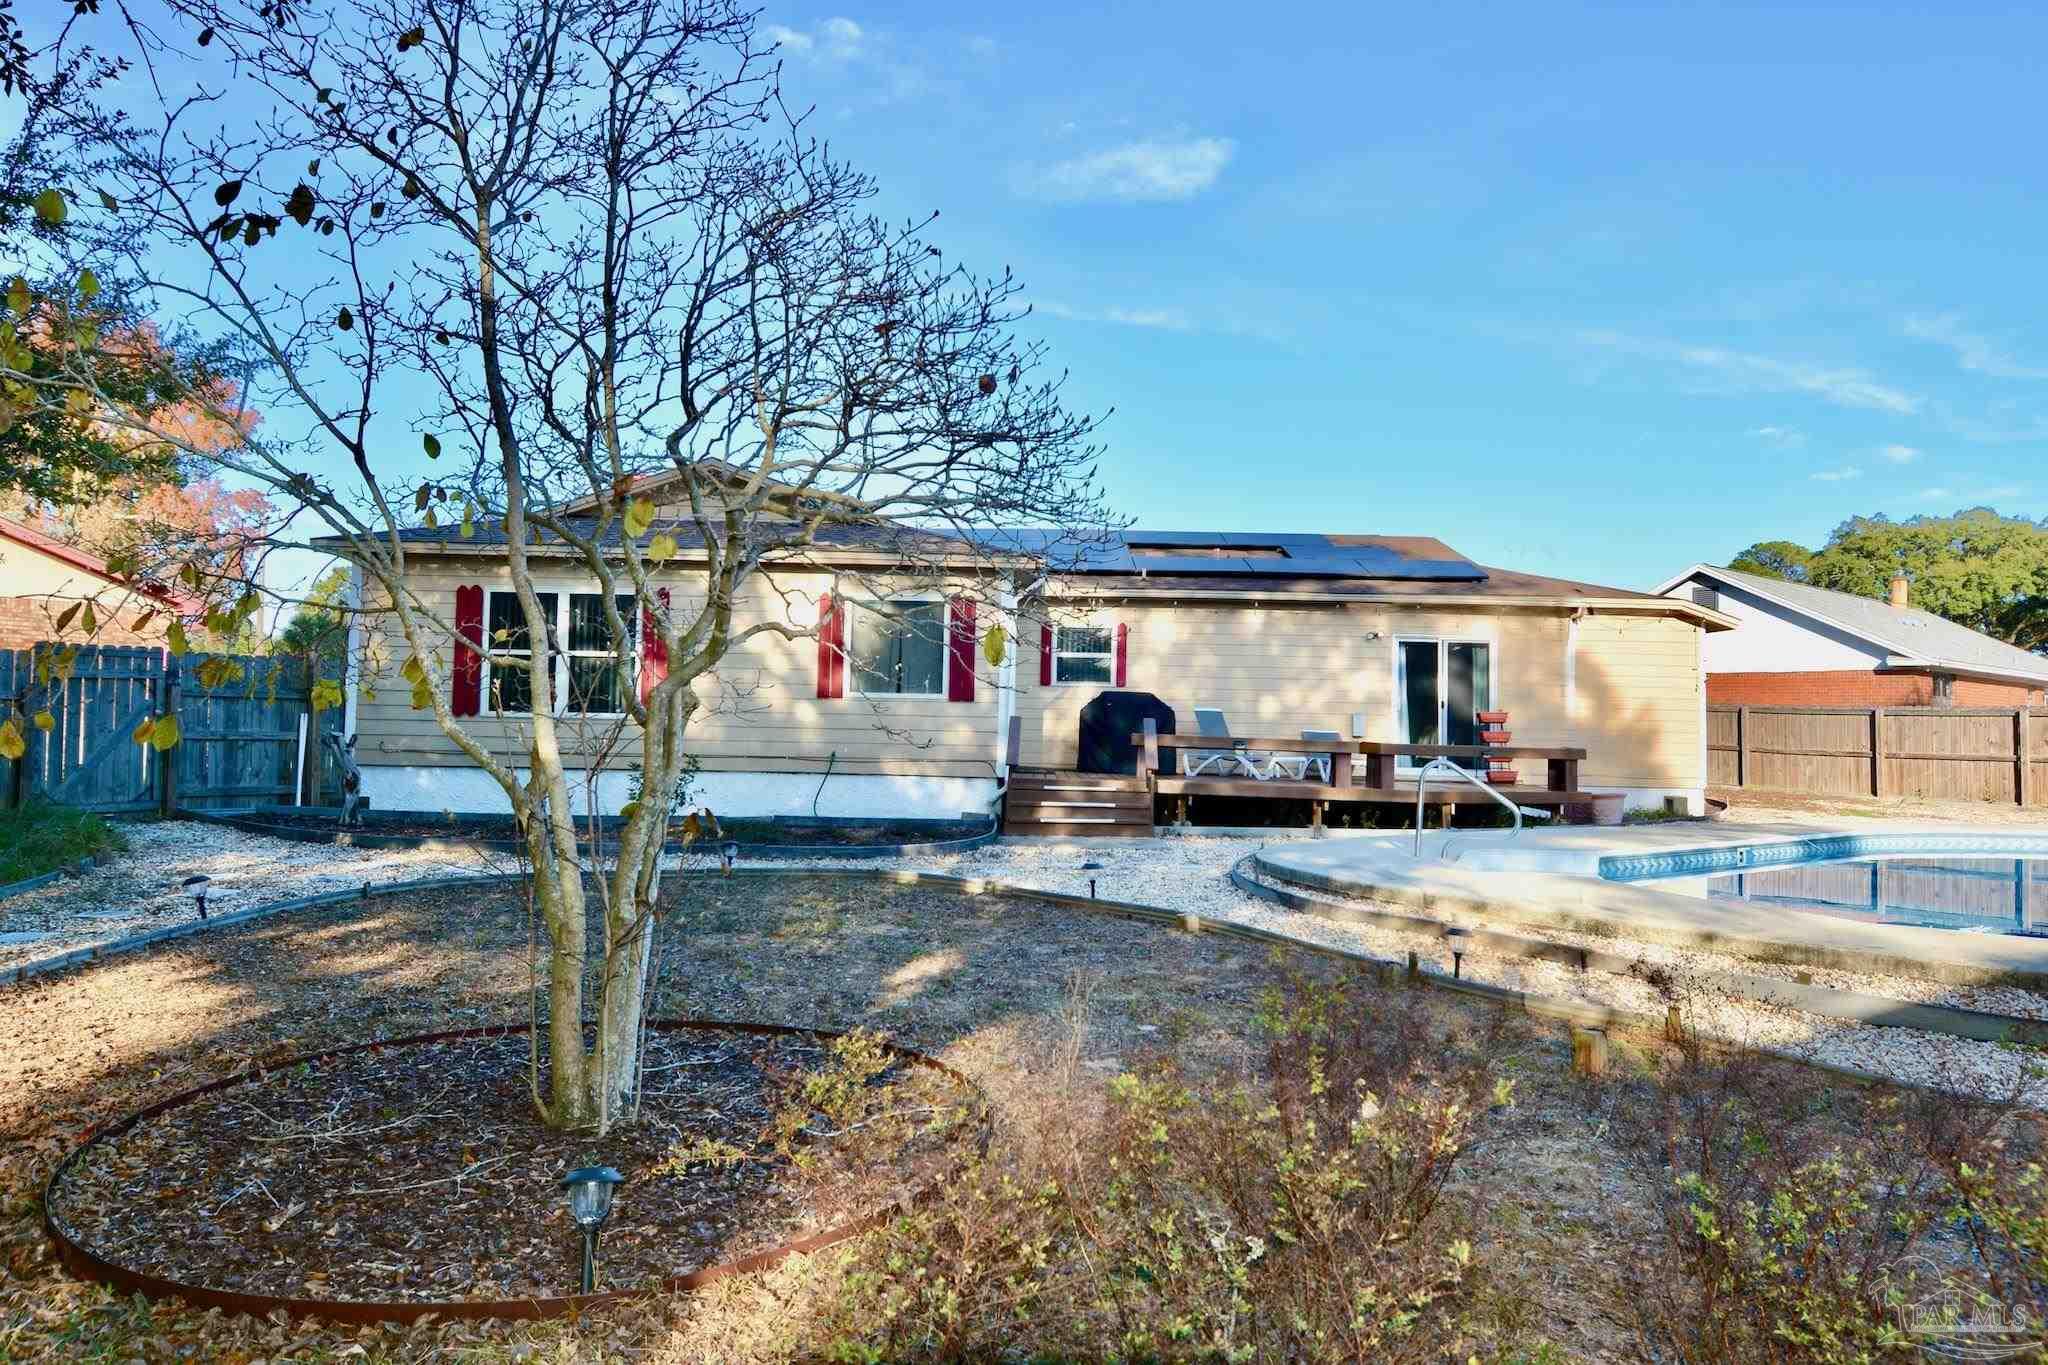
<point x="1045" y="655"/>
<point x="960" y="650"/>
<point x="653" y="649"/>
<point x="831" y="648"/>
<point x="469" y="665"/>
<point x="1123" y="635"/>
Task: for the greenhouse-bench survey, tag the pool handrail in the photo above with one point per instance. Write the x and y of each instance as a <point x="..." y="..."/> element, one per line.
<point x="1444" y="765"/>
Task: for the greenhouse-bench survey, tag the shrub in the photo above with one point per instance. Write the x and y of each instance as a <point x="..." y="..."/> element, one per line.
<point x="1299" y="1215"/>
<point x="43" y="837"/>
<point x="1784" y="1242"/>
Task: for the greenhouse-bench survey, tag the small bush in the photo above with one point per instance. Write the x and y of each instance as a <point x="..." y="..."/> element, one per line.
<point x="1783" y="1242"/>
<point x="1302" y="1215"/>
<point x="44" y="837"/>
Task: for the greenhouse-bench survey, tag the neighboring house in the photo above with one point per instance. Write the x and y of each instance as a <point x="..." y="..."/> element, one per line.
<point x="40" y="576"/>
<point x="1798" y="645"/>
<point x="897" y="712"/>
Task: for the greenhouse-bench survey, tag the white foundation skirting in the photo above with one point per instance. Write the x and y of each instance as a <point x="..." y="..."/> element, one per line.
<point x="1652" y="798"/>
<point x="470" y="792"/>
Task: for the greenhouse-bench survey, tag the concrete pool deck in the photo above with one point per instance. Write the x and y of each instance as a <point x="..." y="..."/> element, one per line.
<point x="1549" y="878"/>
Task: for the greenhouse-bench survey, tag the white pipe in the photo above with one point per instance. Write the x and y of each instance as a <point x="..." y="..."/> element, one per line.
<point x="299" y="772"/>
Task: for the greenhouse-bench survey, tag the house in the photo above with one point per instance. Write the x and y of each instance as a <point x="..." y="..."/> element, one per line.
<point x="1798" y="645"/>
<point x="40" y="576"/>
<point x="894" y="708"/>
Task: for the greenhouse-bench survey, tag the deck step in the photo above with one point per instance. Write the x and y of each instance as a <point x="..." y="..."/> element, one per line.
<point x="1050" y="803"/>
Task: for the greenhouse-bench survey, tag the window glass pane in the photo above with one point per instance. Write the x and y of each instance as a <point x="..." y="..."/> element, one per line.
<point x="1080" y="668"/>
<point x="1419" y="692"/>
<point x="900" y="647"/>
<point x="506" y="615"/>
<point x="1084" y="640"/>
<point x="587" y="628"/>
<point x="593" y="685"/>
<point x="511" y="687"/>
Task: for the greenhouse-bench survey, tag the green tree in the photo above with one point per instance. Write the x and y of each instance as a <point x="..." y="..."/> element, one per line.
<point x="1977" y="567"/>
<point x="1774" y="559"/>
<point x="320" y="625"/>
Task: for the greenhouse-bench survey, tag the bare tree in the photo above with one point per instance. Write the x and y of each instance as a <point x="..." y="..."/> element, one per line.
<point x="575" y="242"/>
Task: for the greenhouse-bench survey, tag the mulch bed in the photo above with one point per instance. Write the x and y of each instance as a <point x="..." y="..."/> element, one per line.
<point x="422" y="1172"/>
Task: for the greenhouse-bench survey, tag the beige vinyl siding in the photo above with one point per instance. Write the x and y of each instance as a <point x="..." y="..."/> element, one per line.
<point x="1277" y="670"/>
<point x="1639" y="701"/>
<point x="761" y="711"/>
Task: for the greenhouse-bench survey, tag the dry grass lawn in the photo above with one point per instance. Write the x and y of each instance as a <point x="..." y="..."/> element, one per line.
<point x="988" y="984"/>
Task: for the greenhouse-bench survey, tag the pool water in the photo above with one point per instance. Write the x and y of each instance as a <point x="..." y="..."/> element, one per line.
<point x="1979" y="894"/>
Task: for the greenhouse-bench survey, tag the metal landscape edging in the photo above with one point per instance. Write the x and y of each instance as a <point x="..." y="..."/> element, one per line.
<point x="88" y="1264"/>
<point x="251" y="822"/>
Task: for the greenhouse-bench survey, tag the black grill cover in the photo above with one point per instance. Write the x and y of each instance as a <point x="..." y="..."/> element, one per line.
<point x="1109" y="721"/>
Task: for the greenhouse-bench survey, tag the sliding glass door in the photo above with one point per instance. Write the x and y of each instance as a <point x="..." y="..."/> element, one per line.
<point x="1440" y="687"/>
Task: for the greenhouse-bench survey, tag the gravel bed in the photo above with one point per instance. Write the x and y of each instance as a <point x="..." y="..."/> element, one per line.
<point x="139" y="890"/>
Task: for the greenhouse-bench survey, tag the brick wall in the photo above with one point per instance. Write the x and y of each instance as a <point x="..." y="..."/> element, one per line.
<point x="25" y="621"/>
<point x="1850" y="687"/>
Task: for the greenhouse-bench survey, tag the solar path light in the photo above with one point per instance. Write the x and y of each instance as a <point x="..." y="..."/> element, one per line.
<point x="590" y="1190"/>
<point x="195" y="887"/>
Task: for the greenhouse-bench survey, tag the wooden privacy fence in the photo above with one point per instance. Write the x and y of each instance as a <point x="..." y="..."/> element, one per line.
<point x="1953" y="753"/>
<point x="240" y="742"/>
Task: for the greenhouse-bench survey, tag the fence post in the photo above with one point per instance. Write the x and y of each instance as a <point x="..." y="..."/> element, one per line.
<point x="167" y="759"/>
<point x="2023" y="756"/>
<point x="1877" y="751"/>
<point x="1742" y="746"/>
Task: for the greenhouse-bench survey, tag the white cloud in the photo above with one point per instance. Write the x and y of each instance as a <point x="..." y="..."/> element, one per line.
<point x="1747" y="372"/>
<point x="1973" y="350"/>
<point x="838" y="39"/>
<point x="1974" y="496"/>
<point x="1842" y="475"/>
<point x="1780" y="436"/>
<point x="1164" y="319"/>
<point x="1899" y="454"/>
<point x="1136" y="171"/>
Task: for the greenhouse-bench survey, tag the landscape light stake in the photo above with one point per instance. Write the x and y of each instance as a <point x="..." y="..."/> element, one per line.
<point x="728" y="855"/>
<point x="590" y="1191"/>
<point x="1457" y="941"/>
<point x="195" y="887"/>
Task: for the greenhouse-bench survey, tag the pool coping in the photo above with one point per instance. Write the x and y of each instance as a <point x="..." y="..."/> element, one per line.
<point x="1559" y="889"/>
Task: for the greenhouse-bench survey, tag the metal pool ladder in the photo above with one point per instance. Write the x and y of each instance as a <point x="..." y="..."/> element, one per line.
<point x="1445" y="766"/>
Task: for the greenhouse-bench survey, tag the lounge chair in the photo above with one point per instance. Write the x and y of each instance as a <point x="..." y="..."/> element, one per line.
<point x="1210" y="724"/>
<point x="1320" y="762"/>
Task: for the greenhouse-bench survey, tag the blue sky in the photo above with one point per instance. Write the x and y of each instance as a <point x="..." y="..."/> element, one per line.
<point x="1593" y="292"/>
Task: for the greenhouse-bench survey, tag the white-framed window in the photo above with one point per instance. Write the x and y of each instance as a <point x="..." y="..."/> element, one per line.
<point x="897" y="647"/>
<point x="1083" y="654"/>
<point x="585" y="676"/>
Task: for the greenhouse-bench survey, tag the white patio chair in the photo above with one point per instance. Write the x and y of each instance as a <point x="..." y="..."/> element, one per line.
<point x="1210" y="724"/>
<point x="1319" y="762"/>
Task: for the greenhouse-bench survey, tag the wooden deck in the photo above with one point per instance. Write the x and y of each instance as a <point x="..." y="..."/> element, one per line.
<point x="1363" y="771"/>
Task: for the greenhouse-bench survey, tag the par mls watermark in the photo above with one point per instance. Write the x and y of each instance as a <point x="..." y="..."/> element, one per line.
<point x="1963" y="1324"/>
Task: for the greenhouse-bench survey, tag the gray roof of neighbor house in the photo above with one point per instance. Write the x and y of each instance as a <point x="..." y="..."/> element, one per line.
<point x="1914" y="637"/>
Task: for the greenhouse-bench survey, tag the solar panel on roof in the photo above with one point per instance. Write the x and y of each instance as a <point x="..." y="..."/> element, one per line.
<point x="1288" y="554"/>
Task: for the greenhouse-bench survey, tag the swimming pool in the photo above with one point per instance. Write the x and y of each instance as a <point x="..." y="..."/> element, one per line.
<point x="1982" y="883"/>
